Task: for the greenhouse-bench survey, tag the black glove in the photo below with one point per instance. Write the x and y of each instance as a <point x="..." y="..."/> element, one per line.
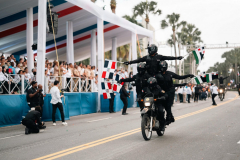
<point x="180" y="57"/>
<point x="119" y="81"/>
<point x="191" y="75"/>
<point x="126" y="63"/>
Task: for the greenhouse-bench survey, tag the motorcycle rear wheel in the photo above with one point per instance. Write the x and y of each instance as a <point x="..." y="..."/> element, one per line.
<point x="145" y="126"/>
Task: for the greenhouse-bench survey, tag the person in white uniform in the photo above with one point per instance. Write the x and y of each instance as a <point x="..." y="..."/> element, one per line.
<point x="214" y="90"/>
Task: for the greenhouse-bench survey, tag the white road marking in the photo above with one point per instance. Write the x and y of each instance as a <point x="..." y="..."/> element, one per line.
<point x="99" y="120"/>
<point x="238" y="142"/>
<point x="11" y="137"/>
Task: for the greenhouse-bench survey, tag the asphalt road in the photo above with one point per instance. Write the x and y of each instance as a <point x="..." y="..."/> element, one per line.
<point x="201" y="131"/>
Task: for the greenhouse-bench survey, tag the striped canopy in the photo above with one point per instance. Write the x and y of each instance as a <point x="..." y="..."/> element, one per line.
<point x="84" y="15"/>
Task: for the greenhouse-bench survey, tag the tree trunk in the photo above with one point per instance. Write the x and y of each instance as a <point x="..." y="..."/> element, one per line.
<point x="113" y="9"/>
<point x="175" y="50"/>
<point x="180" y="62"/>
<point x="93" y="1"/>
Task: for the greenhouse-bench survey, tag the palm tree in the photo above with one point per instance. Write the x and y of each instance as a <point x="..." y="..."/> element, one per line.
<point x="146" y="8"/>
<point x="93" y="1"/>
<point x="113" y="5"/>
<point x="132" y="19"/>
<point x="182" y="40"/>
<point x="193" y="36"/>
<point x="173" y="22"/>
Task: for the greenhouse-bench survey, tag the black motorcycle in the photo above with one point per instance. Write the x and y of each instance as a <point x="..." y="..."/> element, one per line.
<point x="149" y="117"/>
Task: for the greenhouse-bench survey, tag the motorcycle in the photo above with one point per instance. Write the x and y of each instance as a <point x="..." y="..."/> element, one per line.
<point x="149" y="117"/>
<point x="221" y="92"/>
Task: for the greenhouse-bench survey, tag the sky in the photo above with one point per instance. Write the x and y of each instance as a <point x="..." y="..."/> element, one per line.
<point x="218" y="20"/>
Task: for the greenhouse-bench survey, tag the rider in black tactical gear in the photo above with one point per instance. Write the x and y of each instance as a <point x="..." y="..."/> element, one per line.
<point x="165" y="81"/>
<point x="140" y="82"/>
<point x="156" y="90"/>
<point x="152" y="60"/>
<point x="222" y="86"/>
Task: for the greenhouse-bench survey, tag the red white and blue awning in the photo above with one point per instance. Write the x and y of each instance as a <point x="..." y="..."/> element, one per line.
<point x="84" y="15"/>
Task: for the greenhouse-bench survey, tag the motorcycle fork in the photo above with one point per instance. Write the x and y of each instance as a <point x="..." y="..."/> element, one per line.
<point x="151" y="121"/>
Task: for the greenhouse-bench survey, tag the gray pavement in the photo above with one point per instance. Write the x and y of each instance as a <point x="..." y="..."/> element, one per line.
<point x="211" y="134"/>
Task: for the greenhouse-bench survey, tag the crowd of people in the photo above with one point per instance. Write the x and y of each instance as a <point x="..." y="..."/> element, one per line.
<point x="201" y="92"/>
<point x="12" y="70"/>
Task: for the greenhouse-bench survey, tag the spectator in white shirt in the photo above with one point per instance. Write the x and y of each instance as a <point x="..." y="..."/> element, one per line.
<point x="57" y="103"/>
<point x="17" y="69"/>
<point x="189" y="93"/>
<point x="27" y="75"/>
<point x="3" y="82"/>
<point x="126" y="73"/>
<point x="214" y="90"/>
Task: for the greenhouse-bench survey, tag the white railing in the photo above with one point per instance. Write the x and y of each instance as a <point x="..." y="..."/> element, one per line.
<point x="14" y="84"/>
<point x="70" y="84"/>
<point x="18" y="84"/>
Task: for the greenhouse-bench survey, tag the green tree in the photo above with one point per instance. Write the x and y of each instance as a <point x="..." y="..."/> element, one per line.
<point x="146" y="8"/>
<point x="113" y="5"/>
<point x="173" y="21"/>
<point x="132" y="19"/>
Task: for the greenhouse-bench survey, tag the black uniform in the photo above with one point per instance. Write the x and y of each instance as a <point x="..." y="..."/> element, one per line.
<point x="29" y="121"/>
<point x="238" y="87"/>
<point x="166" y="83"/>
<point x="141" y="83"/>
<point x="152" y="62"/>
<point x="123" y="96"/>
<point x="221" y="79"/>
<point x="157" y="92"/>
<point x="34" y="101"/>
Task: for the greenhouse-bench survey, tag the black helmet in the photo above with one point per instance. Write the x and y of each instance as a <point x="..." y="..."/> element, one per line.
<point x="141" y="68"/>
<point x="152" y="82"/>
<point x="163" y="66"/>
<point x="152" y="49"/>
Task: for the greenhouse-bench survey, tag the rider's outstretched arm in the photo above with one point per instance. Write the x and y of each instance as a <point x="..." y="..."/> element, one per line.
<point x="143" y="59"/>
<point x="129" y="79"/>
<point x="226" y="77"/>
<point x="162" y="58"/>
<point x="176" y="76"/>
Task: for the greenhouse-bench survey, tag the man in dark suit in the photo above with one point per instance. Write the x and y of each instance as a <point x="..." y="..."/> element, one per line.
<point x="123" y="95"/>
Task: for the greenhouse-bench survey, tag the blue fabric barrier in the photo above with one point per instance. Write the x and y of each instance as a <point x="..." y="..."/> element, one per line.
<point x="47" y="109"/>
<point x="74" y="103"/>
<point x="13" y="107"/>
<point x="118" y="104"/>
<point x="89" y="102"/>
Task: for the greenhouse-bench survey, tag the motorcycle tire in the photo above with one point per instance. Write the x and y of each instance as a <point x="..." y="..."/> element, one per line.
<point x="145" y="127"/>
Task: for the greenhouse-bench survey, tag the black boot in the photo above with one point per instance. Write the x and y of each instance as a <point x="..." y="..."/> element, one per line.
<point x="27" y="131"/>
<point x="169" y="119"/>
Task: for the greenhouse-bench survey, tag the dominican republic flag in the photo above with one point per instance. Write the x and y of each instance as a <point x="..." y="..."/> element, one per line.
<point x="117" y="87"/>
<point x="198" y="79"/>
<point x="108" y="70"/>
<point x="198" y="54"/>
<point x="107" y="90"/>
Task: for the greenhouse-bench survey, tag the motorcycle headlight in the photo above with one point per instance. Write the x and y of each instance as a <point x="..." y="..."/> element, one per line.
<point x="221" y="91"/>
<point x="147" y="104"/>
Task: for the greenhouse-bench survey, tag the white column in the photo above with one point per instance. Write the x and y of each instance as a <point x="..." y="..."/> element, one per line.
<point x="93" y="48"/>
<point x="114" y="49"/>
<point x="130" y="57"/>
<point x="29" y="36"/>
<point x="100" y="44"/>
<point x="134" y="56"/>
<point x="70" y="48"/>
<point x="41" y="50"/>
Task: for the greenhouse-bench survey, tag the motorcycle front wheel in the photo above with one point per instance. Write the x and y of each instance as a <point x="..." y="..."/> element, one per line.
<point x="221" y="97"/>
<point x="145" y="126"/>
